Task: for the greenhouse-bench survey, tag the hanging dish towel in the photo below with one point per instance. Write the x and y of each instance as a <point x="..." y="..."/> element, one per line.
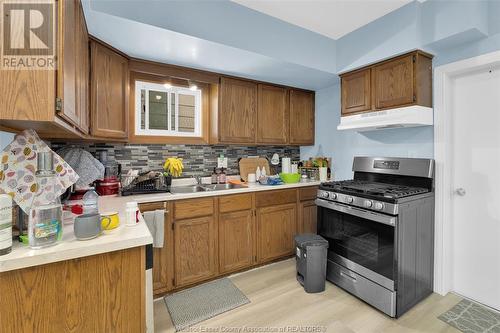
<point x="155" y="220"/>
<point x="17" y="171"/>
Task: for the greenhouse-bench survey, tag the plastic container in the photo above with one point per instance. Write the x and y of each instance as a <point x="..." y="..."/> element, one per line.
<point x="90" y="202"/>
<point x="290" y="178"/>
<point x="131" y="214"/>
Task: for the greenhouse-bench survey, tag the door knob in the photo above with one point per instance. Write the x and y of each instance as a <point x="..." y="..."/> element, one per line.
<point x="460" y="191"/>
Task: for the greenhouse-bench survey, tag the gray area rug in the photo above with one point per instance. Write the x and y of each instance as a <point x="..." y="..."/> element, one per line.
<point x="194" y="305"/>
<point x="471" y="317"/>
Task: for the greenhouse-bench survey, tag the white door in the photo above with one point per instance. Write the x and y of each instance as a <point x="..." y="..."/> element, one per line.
<point x="476" y="186"/>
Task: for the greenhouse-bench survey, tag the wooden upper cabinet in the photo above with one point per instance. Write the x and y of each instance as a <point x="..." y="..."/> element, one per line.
<point x="394" y="83"/>
<point x="301" y="117"/>
<point x="356" y="92"/>
<point x="195" y="250"/>
<point x="398" y="82"/>
<point x="73" y="52"/>
<point x="237" y="111"/>
<point x="272" y="115"/>
<point x="236" y="240"/>
<point x="109" y="92"/>
<point x="83" y="59"/>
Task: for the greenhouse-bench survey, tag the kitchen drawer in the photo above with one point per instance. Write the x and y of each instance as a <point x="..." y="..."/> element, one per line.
<point x="193" y="208"/>
<point x="233" y="203"/>
<point x="370" y="292"/>
<point x="272" y="198"/>
<point x="308" y="193"/>
<point x="149" y="206"/>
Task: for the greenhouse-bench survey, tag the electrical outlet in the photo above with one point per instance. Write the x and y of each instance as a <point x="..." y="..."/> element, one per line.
<point x="222" y="162"/>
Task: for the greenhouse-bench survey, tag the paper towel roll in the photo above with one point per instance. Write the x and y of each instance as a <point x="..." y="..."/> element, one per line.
<point x="286" y="165"/>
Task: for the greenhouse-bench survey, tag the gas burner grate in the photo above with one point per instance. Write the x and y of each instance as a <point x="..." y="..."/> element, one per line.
<point x="374" y="189"/>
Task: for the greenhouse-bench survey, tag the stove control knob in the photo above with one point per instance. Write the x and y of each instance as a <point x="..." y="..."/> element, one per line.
<point x="350" y="199"/>
<point x="333" y="195"/>
<point x="368" y="203"/>
<point x="325" y="195"/>
<point x="378" y="205"/>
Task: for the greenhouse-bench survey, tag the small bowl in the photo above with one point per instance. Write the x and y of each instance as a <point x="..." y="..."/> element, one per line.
<point x="290" y="178"/>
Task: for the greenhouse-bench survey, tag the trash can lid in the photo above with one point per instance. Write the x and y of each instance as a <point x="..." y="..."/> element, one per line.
<point x="310" y="240"/>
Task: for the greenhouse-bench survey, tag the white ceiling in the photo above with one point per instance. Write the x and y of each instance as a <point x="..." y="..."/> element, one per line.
<point x="332" y="18"/>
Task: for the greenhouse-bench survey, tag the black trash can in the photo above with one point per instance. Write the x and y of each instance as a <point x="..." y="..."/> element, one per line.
<point x="310" y="254"/>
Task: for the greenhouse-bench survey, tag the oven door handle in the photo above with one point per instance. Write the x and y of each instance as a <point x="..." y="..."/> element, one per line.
<point x="366" y="214"/>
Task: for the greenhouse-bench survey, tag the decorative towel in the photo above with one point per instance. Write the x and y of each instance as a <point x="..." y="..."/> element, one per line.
<point x="85" y="165"/>
<point x="155" y="220"/>
<point x="17" y="171"/>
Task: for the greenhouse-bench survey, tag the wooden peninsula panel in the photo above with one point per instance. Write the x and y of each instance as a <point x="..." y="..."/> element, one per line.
<point x="100" y="293"/>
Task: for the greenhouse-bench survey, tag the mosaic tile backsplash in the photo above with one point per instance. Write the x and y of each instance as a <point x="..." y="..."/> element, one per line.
<point x="197" y="159"/>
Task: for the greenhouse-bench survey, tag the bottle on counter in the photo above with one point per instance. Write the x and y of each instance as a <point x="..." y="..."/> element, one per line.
<point x="45" y="218"/>
<point x="90" y="202"/>
<point x="222" y="176"/>
<point x="5" y="224"/>
<point x="214" y="176"/>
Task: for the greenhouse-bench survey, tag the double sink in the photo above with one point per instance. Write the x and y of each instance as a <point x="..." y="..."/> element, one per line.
<point x="203" y="188"/>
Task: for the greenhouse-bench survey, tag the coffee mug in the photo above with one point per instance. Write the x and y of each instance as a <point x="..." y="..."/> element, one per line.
<point x="109" y="220"/>
<point x="87" y="226"/>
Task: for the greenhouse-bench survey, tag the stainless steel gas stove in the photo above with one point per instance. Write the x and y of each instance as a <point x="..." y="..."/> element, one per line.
<point x="380" y="229"/>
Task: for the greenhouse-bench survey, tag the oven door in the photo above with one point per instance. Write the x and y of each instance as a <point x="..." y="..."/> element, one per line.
<point x="360" y="240"/>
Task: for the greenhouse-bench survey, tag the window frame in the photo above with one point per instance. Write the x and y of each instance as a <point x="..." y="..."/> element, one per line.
<point x="150" y="86"/>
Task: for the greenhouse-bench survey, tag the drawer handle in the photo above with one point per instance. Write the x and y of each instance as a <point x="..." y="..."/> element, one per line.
<point x="347" y="276"/>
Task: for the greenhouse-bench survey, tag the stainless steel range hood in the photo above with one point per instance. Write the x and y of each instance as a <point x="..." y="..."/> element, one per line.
<point x="410" y="116"/>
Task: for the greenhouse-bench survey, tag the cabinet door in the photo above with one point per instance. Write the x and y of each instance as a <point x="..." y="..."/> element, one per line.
<point x="394" y="82"/>
<point x="272" y="116"/>
<point x="308" y="217"/>
<point x="68" y="67"/>
<point x="109" y="92"/>
<point x="301" y="117"/>
<point x="237" y="110"/>
<point x="356" y="92"/>
<point x="236" y="241"/>
<point x="163" y="272"/>
<point x="276" y="227"/>
<point x="195" y="254"/>
<point x="83" y="75"/>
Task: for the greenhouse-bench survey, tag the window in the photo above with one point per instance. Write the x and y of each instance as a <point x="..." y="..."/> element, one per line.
<point x="166" y="110"/>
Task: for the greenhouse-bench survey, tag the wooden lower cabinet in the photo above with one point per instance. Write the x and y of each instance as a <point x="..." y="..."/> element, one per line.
<point x="308" y="217"/>
<point x="213" y="236"/>
<point x="163" y="258"/>
<point x="236" y="240"/>
<point x="100" y="293"/>
<point x="195" y="242"/>
<point x="276" y="227"/>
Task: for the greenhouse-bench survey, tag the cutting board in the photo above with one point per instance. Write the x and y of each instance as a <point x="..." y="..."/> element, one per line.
<point x="249" y="165"/>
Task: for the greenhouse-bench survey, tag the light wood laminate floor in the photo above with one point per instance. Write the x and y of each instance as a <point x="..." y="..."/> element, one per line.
<point x="278" y="301"/>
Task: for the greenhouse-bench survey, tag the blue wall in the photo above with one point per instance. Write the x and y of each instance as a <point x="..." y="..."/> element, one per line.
<point x="451" y="30"/>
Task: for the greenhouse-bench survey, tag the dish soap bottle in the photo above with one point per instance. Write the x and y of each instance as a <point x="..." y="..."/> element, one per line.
<point x="45" y="218"/>
<point x="222" y="176"/>
<point x="214" y="176"/>
<point x="5" y="224"/>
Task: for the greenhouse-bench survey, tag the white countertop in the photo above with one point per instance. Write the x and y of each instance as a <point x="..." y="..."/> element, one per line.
<point x="142" y="198"/>
<point x="69" y="247"/>
<point x="120" y="238"/>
